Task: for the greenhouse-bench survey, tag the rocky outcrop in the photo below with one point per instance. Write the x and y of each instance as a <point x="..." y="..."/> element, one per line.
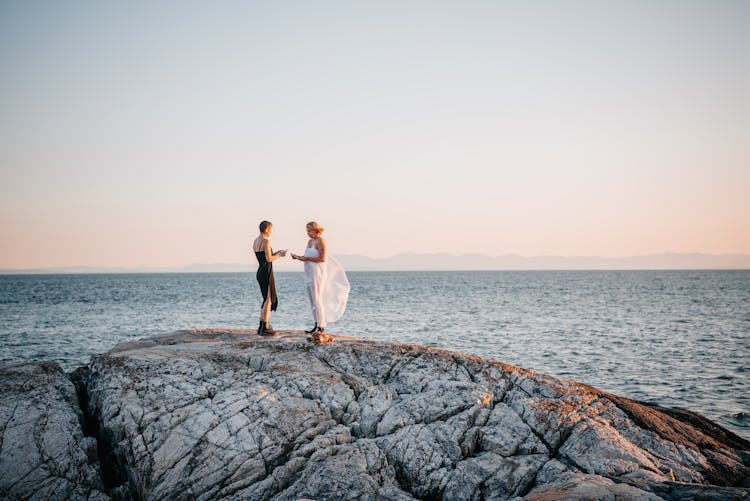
<point x="43" y="451"/>
<point x="220" y="414"/>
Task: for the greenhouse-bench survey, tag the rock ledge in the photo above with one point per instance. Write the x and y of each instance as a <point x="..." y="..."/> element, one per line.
<point x="225" y="414"/>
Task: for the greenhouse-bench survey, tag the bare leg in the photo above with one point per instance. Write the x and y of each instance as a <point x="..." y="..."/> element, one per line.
<point x="265" y="310"/>
<point x="264" y="329"/>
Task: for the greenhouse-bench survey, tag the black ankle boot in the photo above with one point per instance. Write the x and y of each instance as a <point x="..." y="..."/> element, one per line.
<point x="313" y="329"/>
<point x="265" y="329"/>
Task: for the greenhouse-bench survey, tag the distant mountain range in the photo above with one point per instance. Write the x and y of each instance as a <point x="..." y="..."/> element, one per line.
<point x="445" y="261"/>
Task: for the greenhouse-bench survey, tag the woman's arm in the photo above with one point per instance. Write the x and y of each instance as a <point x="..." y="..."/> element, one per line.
<point x="272" y="256"/>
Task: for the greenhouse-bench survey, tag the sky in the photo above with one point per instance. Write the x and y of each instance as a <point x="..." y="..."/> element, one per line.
<point x="161" y="133"/>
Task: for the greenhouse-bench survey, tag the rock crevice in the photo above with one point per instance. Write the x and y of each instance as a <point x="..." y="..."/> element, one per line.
<point x="44" y="452"/>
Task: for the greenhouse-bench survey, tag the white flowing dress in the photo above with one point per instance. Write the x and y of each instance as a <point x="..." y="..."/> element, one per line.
<point x="327" y="288"/>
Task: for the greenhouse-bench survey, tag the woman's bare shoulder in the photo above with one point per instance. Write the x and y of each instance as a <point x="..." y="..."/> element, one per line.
<point x="261" y="243"/>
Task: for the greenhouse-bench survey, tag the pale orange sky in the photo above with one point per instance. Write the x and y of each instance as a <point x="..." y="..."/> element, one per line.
<point x="146" y="135"/>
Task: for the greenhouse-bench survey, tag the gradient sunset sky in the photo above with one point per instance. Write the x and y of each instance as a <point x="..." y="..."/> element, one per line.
<point x="161" y="133"/>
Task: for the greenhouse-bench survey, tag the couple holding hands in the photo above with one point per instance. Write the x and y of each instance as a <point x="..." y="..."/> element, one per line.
<point x="325" y="281"/>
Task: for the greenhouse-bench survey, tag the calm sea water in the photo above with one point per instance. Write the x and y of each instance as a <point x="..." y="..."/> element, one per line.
<point x="677" y="338"/>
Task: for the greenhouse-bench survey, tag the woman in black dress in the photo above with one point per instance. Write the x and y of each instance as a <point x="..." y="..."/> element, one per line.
<point x="266" y="256"/>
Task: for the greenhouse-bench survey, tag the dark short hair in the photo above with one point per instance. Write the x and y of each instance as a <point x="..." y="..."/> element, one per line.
<point x="263" y="225"/>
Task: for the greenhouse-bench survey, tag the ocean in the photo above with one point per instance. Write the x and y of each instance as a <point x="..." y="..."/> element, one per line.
<point x="675" y="338"/>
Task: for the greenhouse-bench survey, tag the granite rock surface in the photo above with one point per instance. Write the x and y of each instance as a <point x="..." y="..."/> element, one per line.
<point x="44" y="453"/>
<point x="225" y="414"/>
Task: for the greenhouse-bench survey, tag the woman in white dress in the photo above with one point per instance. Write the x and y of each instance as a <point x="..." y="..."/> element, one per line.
<point x="326" y="283"/>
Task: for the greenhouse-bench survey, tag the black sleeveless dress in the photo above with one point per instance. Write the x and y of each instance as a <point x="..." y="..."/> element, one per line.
<point x="265" y="279"/>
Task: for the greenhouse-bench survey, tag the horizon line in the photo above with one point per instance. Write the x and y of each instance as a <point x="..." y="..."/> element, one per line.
<point x="702" y="261"/>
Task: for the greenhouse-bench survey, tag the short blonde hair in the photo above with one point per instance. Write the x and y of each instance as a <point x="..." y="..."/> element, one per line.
<point x="315" y="227"/>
